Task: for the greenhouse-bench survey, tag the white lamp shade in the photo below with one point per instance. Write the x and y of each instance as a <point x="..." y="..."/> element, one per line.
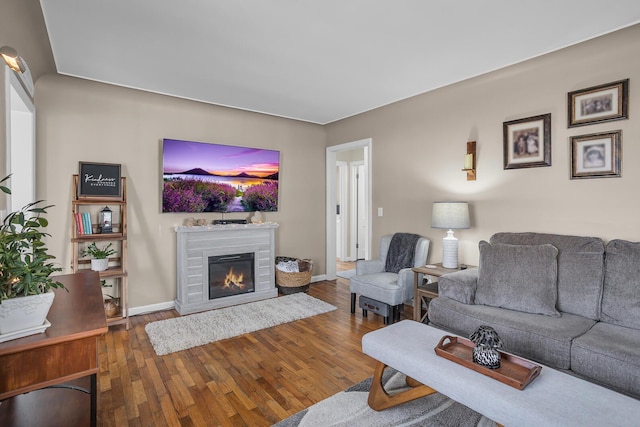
<point x="450" y="215"/>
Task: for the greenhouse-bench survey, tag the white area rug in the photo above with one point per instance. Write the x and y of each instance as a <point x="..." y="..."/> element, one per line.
<point x="181" y="333"/>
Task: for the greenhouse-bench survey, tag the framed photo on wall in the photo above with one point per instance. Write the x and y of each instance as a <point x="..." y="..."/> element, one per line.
<point x="597" y="155"/>
<point x="527" y="142"/>
<point x="99" y="180"/>
<point x="601" y="103"/>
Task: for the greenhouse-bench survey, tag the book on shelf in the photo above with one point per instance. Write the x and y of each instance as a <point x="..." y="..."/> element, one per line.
<point x="87" y="223"/>
<point x="79" y="226"/>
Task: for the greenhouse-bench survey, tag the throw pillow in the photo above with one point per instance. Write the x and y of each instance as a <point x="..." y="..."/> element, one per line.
<point x="519" y="277"/>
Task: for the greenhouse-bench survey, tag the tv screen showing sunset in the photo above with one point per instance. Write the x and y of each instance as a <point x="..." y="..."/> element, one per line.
<point x="202" y="177"/>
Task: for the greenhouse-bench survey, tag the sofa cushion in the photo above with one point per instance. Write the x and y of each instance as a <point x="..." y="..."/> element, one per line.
<point x="544" y="339"/>
<point x="621" y="292"/>
<point x="518" y="277"/>
<point x="580" y="269"/>
<point x="609" y="355"/>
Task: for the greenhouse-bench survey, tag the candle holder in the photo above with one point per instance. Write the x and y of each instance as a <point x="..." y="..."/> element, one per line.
<point x="106" y="220"/>
<point x="470" y="161"/>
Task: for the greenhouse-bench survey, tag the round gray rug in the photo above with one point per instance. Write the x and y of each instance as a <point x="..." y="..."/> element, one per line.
<point x="350" y="408"/>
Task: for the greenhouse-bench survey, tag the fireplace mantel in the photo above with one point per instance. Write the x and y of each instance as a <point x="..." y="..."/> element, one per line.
<point x="197" y="244"/>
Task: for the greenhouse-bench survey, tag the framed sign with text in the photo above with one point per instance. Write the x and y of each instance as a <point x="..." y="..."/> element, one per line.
<point x="99" y="180"/>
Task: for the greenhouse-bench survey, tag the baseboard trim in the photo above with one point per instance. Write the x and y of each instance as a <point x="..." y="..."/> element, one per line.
<point x="143" y="309"/>
<point x="319" y="278"/>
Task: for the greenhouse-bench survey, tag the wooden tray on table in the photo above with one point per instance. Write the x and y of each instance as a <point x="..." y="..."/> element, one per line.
<point x="513" y="370"/>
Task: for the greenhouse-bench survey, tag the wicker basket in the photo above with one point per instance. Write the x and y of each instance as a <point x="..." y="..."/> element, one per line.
<point x="293" y="282"/>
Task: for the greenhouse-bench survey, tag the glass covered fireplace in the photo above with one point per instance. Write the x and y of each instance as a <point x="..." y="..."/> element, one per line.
<point x="231" y="275"/>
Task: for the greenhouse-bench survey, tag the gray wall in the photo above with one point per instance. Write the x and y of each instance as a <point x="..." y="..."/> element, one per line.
<point x="419" y="145"/>
<point x="418" y="150"/>
<point x="80" y="120"/>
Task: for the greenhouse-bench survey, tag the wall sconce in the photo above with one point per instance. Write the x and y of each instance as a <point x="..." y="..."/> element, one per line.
<point x="19" y="66"/>
<point x="12" y="59"/>
<point x="470" y="161"/>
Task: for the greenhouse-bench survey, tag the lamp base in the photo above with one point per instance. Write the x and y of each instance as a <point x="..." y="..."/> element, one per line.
<point x="450" y="251"/>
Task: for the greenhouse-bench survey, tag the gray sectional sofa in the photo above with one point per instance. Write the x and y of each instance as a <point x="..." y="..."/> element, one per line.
<point x="567" y="302"/>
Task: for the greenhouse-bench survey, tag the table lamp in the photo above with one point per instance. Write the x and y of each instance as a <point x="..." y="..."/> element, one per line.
<point x="450" y="215"/>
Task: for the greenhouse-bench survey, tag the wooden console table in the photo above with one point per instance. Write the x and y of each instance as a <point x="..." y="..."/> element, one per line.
<point x="66" y="351"/>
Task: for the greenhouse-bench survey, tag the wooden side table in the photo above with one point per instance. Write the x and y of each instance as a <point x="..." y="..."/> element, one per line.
<point x="423" y="293"/>
<point x="66" y="351"/>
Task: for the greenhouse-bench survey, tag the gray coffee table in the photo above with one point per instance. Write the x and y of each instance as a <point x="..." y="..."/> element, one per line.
<point x="552" y="399"/>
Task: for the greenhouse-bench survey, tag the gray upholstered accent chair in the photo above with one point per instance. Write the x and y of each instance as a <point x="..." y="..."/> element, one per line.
<point x="372" y="281"/>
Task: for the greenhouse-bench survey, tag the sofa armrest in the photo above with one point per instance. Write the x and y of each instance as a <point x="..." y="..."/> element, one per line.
<point x="459" y="286"/>
<point x="369" y="266"/>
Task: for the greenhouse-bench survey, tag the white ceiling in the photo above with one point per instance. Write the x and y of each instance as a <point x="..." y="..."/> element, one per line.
<point x="317" y="61"/>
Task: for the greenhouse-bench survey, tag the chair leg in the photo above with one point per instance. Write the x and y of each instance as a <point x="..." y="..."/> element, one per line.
<point x="392" y="314"/>
<point x="353" y="302"/>
<point x="364" y="313"/>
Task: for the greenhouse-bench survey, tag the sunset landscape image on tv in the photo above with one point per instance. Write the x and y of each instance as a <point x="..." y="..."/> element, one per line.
<point x="202" y="177"/>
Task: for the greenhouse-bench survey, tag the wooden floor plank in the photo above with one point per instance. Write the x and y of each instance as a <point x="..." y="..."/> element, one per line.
<point x="252" y="380"/>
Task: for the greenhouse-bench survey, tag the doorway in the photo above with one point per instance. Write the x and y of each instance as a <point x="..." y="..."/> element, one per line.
<point x="20" y="148"/>
<point x="353" y="214"/>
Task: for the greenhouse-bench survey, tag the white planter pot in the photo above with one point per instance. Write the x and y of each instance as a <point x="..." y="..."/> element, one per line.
<point x="24" y="312"/>
<point x="99" y="264"/>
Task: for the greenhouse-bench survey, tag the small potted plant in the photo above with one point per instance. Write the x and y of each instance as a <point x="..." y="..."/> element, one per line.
<point x="26" y="284"/>
<point x="99" y="257"/>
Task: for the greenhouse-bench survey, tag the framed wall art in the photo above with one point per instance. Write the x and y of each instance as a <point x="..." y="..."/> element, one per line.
<point x="596" y="104"/>
<point x="527" y="142"/>
<point x="99" y="180"/>
<point x="597" y="155"/>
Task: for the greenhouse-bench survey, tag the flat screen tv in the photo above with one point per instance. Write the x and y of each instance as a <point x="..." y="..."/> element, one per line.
<point x="202" y="177"/>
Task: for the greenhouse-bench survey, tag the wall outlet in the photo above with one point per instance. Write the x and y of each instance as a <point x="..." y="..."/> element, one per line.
<point x="379" y="211"/>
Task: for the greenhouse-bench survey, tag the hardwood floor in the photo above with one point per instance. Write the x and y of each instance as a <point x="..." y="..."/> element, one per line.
<point x="256" y="379"/>
<point x="345" y="265"/>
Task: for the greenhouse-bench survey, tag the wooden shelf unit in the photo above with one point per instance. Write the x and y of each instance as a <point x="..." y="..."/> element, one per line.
<point x="118" y="267"/>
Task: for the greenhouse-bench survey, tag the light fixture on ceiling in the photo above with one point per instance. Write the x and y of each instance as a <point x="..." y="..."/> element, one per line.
<point x="450" y="215"/>
<point x="12" y="59"/>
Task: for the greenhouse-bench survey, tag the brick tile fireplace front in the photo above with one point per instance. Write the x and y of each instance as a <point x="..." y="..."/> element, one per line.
<point x="196" y="245"/>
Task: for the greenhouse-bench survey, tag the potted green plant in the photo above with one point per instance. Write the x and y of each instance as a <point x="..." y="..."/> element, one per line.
<point x="99" y="257"/>
<point x="26" y="284"/>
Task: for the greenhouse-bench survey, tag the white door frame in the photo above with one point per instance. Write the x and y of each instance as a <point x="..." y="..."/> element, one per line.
<point x="343" y="173"/>
<point x="331" y="198"/>
<point x="354" y="221"/>
<point x="20" y="148"/>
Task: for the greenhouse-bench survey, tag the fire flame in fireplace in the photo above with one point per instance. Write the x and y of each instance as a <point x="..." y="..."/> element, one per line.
<point x="233" y="280"/>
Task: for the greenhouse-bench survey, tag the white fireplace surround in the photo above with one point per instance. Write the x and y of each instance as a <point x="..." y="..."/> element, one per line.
<point x="197" y="244"/>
